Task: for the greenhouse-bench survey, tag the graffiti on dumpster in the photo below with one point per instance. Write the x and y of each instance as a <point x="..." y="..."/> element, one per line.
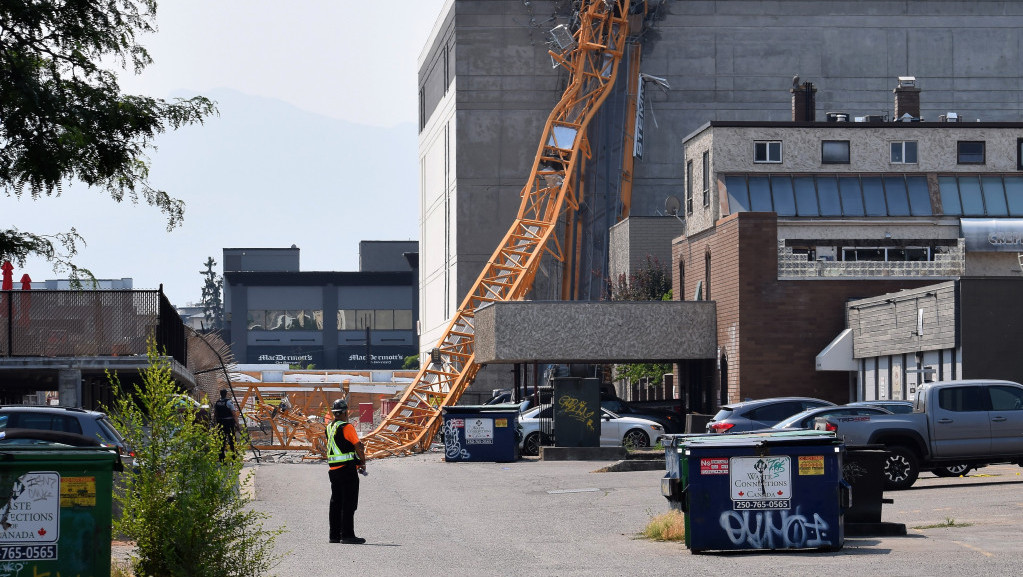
<point x="452" y="444"/>
<point x="11" y="569"/>
<point x="775" y="529"/>
<point x="577" y="410"/>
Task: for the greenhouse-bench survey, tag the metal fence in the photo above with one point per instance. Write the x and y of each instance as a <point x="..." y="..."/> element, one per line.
<point x="82" y="323"/>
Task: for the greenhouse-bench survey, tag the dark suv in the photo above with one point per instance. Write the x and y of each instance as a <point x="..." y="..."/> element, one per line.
<point x="92" y="424"/>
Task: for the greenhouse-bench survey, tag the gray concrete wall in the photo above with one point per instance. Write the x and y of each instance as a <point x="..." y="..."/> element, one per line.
<point x="635" y="239"/>
<point x="562" y="332"/>
<point x="385" y="255"/>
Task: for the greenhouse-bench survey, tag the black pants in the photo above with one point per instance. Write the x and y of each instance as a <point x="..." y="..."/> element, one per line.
<point x="227" y="432"/>
<point x="344" y="500"/>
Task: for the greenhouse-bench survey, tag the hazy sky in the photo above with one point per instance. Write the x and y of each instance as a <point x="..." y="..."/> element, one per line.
<point x="315" y="144"/>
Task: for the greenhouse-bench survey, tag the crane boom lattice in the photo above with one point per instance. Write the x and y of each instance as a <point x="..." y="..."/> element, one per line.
<point x="592" y="61"/>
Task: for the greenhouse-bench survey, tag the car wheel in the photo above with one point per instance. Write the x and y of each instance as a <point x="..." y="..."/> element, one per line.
<point x="957" y="470"/>
<point x="531" y="446"/>
<point x="635" y="439"/>
<point x="901" y="468"/>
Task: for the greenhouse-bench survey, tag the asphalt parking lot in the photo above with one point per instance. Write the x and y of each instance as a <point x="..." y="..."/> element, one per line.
<point x="422" y="516"/>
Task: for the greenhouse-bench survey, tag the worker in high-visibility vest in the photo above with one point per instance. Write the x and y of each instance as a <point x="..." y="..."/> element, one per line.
<point x="346" y="457"/>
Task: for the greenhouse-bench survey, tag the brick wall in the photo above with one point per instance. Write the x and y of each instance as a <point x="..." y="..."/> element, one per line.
<point x="770" y="331"/>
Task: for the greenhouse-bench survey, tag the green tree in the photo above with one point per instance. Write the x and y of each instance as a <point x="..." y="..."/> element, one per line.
<point x="63" y="117"/>
<point x="648" y="283"/>
<point x="212" y="304"/>
<point x="182" y="506"/>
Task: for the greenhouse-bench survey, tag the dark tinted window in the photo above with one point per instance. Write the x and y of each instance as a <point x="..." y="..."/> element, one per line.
<point x="970" y="152"/>
<point x="44" y="422"/>
<point x="835" y="152"/>
<point x="1005" y="398"/>
<point x="962" y="399"/>
<point x="774" y="412"/>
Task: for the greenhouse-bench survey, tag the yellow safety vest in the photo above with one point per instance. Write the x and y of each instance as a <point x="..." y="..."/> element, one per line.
<point x="334" y="454"/>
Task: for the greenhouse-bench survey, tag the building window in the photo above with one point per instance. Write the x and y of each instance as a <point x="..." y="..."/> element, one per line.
<point x="377" y="320"/>
<point x="706" y="179"/>
<point x="767" y="151"/>
<point x="887" y="254"/>
<point x="972" y="195"/>
<point x="681" y="280"/>
<point x="285" y="320"/>
<point x="706" y="276"/>
<point x="834" y="152"/>
<point x="904" y="152"/>
<point x="970" y="151"/>
<point x="1019" y="154"/>
<point x="834" y="195"/>
<point x="689" y="187"/>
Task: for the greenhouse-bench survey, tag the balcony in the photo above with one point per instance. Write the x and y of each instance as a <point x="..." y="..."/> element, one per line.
<point x="949" y="262"/>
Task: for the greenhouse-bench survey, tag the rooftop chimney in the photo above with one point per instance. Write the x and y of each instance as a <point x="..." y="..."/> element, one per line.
<point x="804" y="105"/>
<point x="907" y="98"/>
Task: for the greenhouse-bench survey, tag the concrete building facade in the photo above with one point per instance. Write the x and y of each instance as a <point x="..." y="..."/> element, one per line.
<point x="276" y="313"/>
<point x="486" y="86"/>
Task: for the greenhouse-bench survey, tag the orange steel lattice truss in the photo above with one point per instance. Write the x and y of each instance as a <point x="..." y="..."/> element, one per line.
<point x="592" y="58"/>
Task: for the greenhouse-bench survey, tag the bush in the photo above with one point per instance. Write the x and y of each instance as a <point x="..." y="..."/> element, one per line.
<point x="182" y="506"/>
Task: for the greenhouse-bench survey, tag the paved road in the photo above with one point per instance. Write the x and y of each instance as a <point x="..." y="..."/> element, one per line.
<point x="423" y="516"/>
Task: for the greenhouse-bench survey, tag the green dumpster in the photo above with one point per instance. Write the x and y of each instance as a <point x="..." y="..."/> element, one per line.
<point x="55" y="509"/>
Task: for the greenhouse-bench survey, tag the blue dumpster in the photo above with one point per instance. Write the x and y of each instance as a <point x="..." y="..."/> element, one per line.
<point x="481" y="433"/>
<point x="758" y="491"/>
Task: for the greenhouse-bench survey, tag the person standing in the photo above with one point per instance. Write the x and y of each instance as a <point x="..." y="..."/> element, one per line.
<point x="223" y="413"/>
<point x="346" y="457"/>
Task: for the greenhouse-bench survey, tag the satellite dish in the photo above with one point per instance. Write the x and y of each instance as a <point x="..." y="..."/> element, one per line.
<point x="672" y="204"/>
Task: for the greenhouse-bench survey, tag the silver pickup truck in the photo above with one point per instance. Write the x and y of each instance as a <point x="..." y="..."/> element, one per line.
<point x="955" y="426"/>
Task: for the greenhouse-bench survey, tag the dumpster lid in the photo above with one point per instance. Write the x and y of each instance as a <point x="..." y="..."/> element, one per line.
<point x="464" y="409"/>
<point x="781" y="438"/>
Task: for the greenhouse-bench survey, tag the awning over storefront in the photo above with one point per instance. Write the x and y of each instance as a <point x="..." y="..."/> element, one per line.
<point x="838" y="355"/>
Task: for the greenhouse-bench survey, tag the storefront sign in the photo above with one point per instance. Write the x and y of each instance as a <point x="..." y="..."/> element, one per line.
<point x="993" y="234"/>
<point x="375" y="358"/>
<point x="302" y="356"/>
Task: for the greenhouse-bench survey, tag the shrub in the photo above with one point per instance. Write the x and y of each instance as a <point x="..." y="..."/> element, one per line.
<point x="182" y="506"/>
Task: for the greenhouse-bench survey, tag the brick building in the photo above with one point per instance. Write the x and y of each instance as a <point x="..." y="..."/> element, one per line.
<point x="788" y="221"/>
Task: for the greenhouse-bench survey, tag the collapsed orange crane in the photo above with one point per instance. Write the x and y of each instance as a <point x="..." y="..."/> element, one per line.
<point x="591" y="54"/>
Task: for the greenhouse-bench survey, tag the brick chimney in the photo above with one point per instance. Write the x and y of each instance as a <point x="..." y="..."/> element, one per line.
<point x="804" y="105"/>
<point x="907" y="98"/>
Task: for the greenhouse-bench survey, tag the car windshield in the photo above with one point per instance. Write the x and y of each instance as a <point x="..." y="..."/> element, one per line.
<point x="794" y="420"/>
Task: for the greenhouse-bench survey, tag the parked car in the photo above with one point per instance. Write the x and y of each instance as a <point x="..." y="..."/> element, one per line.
<point x="960" y="424"/>
<point x="897" y="407"/>
<point x="671" y="421"/>
<point x="807" y="419"/>
<point x="760" y="414"/>
<point x="91" y="424"/>
<point x="615" y="430"/>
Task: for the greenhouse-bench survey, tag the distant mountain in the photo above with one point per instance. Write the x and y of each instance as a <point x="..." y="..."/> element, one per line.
<point x="262" y="174"/>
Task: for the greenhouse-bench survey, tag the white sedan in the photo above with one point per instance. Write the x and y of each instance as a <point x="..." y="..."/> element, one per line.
<point x="615" y="431"/>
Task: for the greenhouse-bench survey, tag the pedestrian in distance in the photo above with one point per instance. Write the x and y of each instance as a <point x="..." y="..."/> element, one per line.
<point x="346" y="457"/>
<point x="223" y="413"/>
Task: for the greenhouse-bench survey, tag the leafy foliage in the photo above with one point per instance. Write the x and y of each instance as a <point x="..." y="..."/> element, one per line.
<point x="649" y="283"/>
<point x="63" y="117"/>
<point x="212" y="304"/>
<point x="182" y="506"/>
<point x="411" y="363"/>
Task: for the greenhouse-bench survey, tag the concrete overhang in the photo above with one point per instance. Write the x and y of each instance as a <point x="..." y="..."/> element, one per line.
<point x="838" y="355"/>
<point x="595" y="332"/>
<point x="13" y="369"/>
